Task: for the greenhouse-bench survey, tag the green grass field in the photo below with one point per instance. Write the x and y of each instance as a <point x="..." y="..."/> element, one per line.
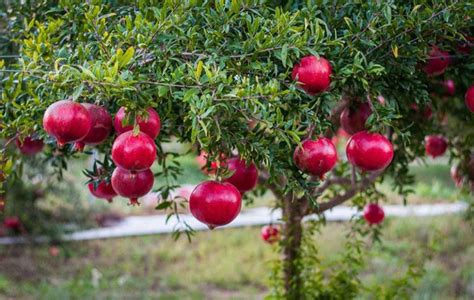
<point x="234" y="263"/>
<point x="228" y="264"/>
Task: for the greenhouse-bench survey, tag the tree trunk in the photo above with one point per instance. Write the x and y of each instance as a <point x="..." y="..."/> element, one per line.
<point x="292" y="232"/>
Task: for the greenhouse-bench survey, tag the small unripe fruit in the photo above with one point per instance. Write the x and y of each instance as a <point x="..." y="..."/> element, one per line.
<point x="313" y="74"/>
<point x="30" y="145"/>
<point x="369" y="151"/>
<point x="270" y="234"/>
<point x="373" y="214"/>
<point x="132" y="185"/>
<point x="435" y="145"/>
<point x="67" y="121"/>
<point x="316" y="157"/>
<point x="245" y="176"/>
<point x="150" y="124"/>
<point x="214" y="203"/>
<point x="134" y="152"/>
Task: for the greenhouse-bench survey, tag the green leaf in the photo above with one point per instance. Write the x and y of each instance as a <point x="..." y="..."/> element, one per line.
<point x="126" y="57"/>
<point x="77" y="92"/>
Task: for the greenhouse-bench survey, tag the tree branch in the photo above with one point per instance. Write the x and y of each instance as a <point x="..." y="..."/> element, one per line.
<point x="341" y="198"/>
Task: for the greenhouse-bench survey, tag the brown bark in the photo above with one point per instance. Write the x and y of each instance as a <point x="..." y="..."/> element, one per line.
<point x="293" y="232"/>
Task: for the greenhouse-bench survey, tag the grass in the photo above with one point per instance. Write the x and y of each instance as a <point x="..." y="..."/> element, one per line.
<point x="228" y="264"/>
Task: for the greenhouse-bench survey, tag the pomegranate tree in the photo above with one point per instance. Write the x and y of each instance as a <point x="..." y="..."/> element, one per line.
<point x="254" y="81"/>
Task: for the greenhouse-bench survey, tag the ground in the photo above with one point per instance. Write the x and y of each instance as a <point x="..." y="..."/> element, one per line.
<point x="234" y="263"/>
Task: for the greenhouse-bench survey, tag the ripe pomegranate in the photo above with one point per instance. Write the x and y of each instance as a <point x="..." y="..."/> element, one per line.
<point x="67" y="121"/>
<point x="132" y="185"/>
<point x="53" y="251"/>
<point x="245" y="176"/>
<point x="12" y="223"/>
<point x="30" y="145"/>
<point x="313" y="74"/>
<point x="134" y="152"/>
<point x="316" y="157"/>
<point x="449" y="87"/>
<point x="369" y="151"/>
<point x="469" y="98"/>
<point x="426" y="112"/>
<point x="150" y="124"/>
<point x="438" y="61"/>
<point x="353" y="118"/>
<point x="373" y="214"/>
<point x="270" y="234"/>
<point x="215" y="203"/>
<point x="435" y="145"/>
<point x="104" y="190"/>
<point x="101" y="126"/>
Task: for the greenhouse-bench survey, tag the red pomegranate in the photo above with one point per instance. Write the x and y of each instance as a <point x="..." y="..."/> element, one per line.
<point x="449" y="87"/>
<point x="202" y="162"/>
<point x="67" y="121"/>
<point x="132" y="185"/>
<point x="104" y="190"/>
<point x="353" y="118"/>
<point x="270" y="234"/>
<point x="316" y="157"/>
<point x="369" y="151"/>
<point x="245" y="176"/>
<point x="53" y="251"/>
<point x="101" y="126"/>
<point x="30" y="145"/>
<point x="12" y="223"/>
<point x="373" y="214"/>
<point x="215" y="203"/>
<point x="438" y="61"/>
<point x="313" y="74"/>
<point x="150" y="124"/>
<point x="426" y="113"/>
<point x="134" y="152"/>
<point x="435" y="145"/>
<point x="469" y="98"/>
